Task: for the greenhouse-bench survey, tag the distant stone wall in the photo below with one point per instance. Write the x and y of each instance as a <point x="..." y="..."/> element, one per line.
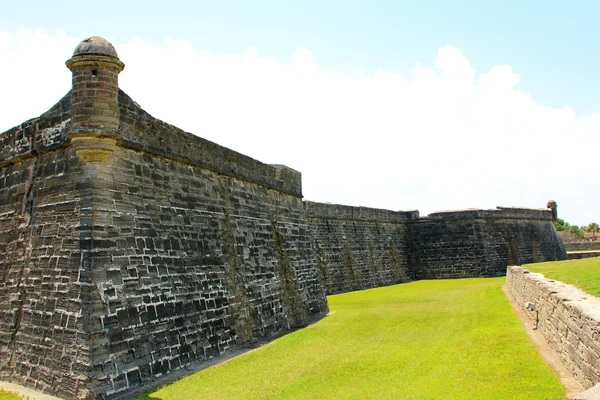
<point x="471" y="243"/>
<point x="568" y="318"/>
<point x="585" y="254"/>
<point x="358" y="247"/>
<point x="572" y="246"/>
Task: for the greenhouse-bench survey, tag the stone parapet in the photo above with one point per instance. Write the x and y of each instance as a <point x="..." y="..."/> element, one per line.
<point x="140" y="131"/>
<point x="351" y="213"/>
<point x="541" y="214"/>
<point x="37" y="135"/>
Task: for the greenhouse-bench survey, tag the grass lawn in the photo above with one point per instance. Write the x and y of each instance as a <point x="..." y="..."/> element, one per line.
<point x="584" y="273"/>
<point x="4" y="395"/>
<point x="445" y="339"/>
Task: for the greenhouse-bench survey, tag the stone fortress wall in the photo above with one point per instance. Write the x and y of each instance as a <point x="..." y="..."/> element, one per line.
<point x="482" y="242"/>
<point x="132" y="248"/>
<point x="360" y="248"/>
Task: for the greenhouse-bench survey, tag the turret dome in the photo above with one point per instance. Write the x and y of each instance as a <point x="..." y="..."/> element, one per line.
<point x="95" y="45"/>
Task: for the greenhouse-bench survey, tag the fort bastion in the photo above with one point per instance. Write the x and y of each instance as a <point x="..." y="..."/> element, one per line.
<point x="132" y="249"/>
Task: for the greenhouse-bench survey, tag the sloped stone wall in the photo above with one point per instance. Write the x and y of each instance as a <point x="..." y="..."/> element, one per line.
<point x="568" y="318"/>
<point x="189" y="264"/>
<point x="172" y="251"/>
<point x="196" y="249"/>
<point x="44" y="291"/>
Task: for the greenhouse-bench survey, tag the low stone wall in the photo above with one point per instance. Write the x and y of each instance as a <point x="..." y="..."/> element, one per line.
<point x="586" y="254"/>
<point x="571" y="246"/>
<point x="568" y="318"/>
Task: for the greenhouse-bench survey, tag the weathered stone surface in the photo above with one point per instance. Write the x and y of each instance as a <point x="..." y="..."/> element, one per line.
<point x="360" y="247"/>
<point x="169" y="250"/>
<point x="42" y="297"/>
<point x="568" y="318"/>
<point x="188" y="263"/>
<point x="474" y="243"/>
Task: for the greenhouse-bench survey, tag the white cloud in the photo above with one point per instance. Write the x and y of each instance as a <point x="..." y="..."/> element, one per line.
<point x="436" y="138"/>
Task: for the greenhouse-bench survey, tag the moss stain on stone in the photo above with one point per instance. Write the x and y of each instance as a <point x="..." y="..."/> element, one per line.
<point x="288" y="282"/>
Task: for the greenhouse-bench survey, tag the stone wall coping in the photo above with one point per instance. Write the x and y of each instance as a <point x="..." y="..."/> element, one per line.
<point x="541" y="214"/>
<point x="357" y="213"/>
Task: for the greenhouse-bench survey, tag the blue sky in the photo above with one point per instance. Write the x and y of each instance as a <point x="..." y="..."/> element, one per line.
<point x="421" y="104"/>
<point x="552" y="44"/>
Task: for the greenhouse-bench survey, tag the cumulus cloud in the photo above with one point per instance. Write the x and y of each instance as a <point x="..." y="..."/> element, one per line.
<point x="436" y="137"/>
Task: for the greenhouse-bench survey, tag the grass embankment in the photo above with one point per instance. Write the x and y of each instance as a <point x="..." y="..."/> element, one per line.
<point x="584" y="273"/>
<point x="453" y="339"/>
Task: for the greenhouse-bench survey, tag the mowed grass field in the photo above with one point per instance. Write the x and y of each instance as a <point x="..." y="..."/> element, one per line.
<point x="445" y="339"/>
<point x="9" y="396"/>
<point x="584" y="273"/>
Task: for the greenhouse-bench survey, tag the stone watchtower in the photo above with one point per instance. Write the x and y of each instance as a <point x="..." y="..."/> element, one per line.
<point x="554" y="208"/>
<point x="95" y="109"/>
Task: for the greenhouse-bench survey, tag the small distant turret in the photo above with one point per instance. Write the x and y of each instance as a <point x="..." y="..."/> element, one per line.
<point x="553" y="207"/>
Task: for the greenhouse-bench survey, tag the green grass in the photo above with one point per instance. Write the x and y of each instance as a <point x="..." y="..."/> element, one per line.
<point x="584" y="273"/>
<point x="4" y="395"/>
<point x="451" y="339"/>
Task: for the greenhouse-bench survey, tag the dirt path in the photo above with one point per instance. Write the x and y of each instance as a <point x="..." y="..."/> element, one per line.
<point x="551" y="358"/>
